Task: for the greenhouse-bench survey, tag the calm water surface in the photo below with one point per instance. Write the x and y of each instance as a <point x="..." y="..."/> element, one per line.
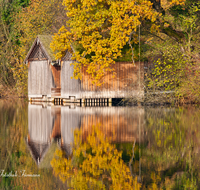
<point x="60" y="147"/>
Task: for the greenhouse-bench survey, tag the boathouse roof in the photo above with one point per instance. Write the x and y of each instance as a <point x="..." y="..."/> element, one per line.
<point x="41" y="49"/>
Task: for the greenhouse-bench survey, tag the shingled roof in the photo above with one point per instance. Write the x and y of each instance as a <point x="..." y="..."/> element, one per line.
<point x="44" y="41"/>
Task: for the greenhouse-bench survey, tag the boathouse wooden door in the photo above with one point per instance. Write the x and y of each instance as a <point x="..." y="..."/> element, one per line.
<point x="39" y="79"/>
<point x="69" y="87"/>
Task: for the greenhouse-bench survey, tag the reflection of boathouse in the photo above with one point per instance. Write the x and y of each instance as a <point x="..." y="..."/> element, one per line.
<point x="43" y="127"/>
<point x="50" y="79"/>
<point x="50" y="127"/>
<point x="47" y="131"/>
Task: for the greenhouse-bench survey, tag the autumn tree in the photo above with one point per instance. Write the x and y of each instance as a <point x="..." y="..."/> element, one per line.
<point x="97" y="31"/>
<point x="40" y="17"/>
<point x="21" y="21"/>
<point x="8" y="11"/>
<point x="175" y="52"/>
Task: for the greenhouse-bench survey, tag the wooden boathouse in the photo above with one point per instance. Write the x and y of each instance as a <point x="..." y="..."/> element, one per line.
<point x="50" y="79"/>
<point x="43" y="70"/>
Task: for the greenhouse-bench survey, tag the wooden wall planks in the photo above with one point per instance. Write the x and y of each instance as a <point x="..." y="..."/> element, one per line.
<point x="42" y="77"/>
<point x="39" y="78"/>
<point x="56" y="75"/>
<point x="126" y="81"/>
<point x="69" y="87"/>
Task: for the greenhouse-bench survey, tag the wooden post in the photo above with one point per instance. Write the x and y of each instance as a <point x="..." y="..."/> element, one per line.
<point x="106" y="101"/>
<point x="110" y="101"/>
<point x="83" y="102"/>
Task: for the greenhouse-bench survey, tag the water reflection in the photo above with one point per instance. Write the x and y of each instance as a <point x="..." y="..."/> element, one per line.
<point x="48" y="125"/>
<point x="163" y="144"/>
<point x="42" y="126"/>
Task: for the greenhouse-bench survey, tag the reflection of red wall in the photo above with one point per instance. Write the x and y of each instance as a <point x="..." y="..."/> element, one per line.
<point x="56" y="132"/>
<point x="56" y="75"/>
<point x="119" y="128"/>
<point x="126" y="78"/>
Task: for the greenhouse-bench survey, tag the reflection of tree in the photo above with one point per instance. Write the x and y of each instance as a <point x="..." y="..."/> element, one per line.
<point x="172" y="153"/>
<point x="95" y="164"/>
<point x="13" y="150"/>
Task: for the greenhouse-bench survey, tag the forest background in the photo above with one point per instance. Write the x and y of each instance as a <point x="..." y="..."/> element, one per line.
<point x="164" y="34"/>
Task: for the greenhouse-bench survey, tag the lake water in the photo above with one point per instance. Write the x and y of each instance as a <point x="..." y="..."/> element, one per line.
<point x="141" y="148"/>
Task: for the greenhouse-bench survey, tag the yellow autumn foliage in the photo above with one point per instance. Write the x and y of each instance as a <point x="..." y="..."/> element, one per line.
<point x="97" y="30"/>
<point x="101" y="28"/>
<point x="20" y="74"/>
<point x="40" y="17"/>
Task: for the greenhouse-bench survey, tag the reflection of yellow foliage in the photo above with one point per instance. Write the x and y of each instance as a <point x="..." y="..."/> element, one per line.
<point x="169" y="183"/>
<point x="95" y="164"/>
<point x="156" y="179"/>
